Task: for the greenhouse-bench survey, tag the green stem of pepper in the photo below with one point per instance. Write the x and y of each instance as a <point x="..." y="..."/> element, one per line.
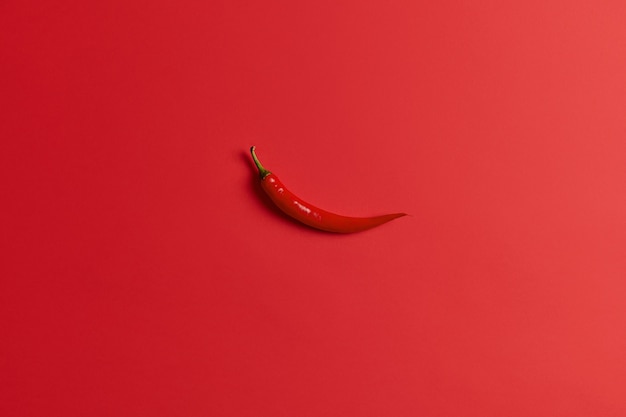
<point x="262" y="171"/>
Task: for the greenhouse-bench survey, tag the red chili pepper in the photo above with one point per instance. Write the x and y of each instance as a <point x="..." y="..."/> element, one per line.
<point x="308" y="213"/>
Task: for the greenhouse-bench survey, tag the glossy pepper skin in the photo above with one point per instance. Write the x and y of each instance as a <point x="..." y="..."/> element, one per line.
<point x="309" y="214"/>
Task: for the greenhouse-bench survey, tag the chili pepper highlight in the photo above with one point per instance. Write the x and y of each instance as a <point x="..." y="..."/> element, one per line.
<point x="308" y="213"/>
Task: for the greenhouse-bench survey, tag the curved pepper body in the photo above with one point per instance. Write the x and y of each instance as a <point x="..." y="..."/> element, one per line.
<point x="311" y="215"/>
<point x="316" y="217"/>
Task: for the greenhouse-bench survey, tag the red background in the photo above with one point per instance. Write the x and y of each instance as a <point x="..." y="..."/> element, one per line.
<point x="144" y="274"/>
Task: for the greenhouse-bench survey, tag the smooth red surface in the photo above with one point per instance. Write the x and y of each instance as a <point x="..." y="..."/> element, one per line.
<point x="143" y="272"/>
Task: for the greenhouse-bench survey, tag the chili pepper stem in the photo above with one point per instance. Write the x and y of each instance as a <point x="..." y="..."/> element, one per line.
<point x="262" y="171"/>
